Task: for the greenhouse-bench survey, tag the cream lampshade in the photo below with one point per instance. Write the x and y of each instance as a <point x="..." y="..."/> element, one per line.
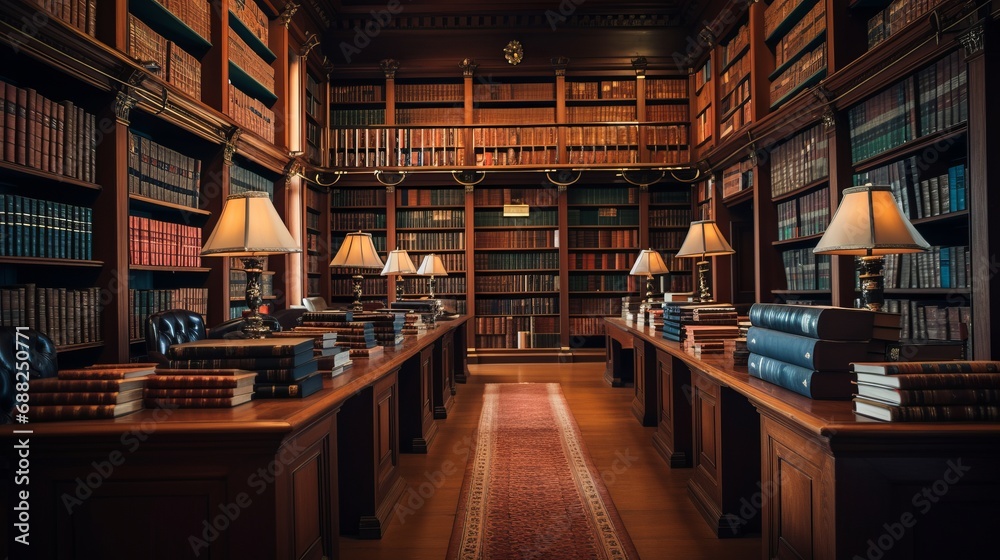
<point x="704" y="240"/>
<point x="869" y="224"/>
<point x="432" y="266"/>
<point x="399" y="263"/>
<point x="649" y="263"/>
<point x="250" y="228"/>
<point x="357" y="251"/>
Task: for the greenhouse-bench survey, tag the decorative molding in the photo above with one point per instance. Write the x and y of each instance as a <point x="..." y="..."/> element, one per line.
<point x="639" y="66"/>
<point x="292" y="169"/>
<point x="563" y="177"/>
<point x="389" y="178"/>
<point x="973" y="41"/>
<point x="519" y="22"/>
<point x="287" y="12"/>
<point x="312" y="41"/>
<point x="559" y="63"/>
<point x="468" y="66"/>
<point x="468" y="178"/>
<point x="707" y="37"/>
<point x="124" y="102"/>
<point x="829" y="120"/>
<point x="389" y="67"/>
<point x="752" y="156"/>
<point x="232" y="138"/>
<point x="328" y="67"/>
<point x="513" y="53"/>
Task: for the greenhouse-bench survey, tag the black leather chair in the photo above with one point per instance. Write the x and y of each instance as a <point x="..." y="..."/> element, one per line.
<point x="41" y="357"/>
<point x="173" y="326"/>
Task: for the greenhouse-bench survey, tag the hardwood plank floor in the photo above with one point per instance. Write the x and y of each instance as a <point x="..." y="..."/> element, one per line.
<point x="651" y="498"/>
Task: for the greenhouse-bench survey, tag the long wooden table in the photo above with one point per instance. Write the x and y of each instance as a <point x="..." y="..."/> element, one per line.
<point x="816" y="480"/>
<point x="276" y="478"/>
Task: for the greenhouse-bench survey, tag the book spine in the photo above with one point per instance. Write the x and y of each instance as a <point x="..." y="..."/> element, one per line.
<point x="41" y="413"/>
<point x="793" y="377"/>
<point x="811" y="353"/>
<point x="813" y="322"/>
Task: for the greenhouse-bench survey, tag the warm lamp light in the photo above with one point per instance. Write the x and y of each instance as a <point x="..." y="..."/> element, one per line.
<point x="399" y="263"/>
<point x="649" y="263"/>
<point x="357" y="251"/>
<point x="432" y="266"/>
<point x="869" y="224"/>
<point x="250" y="228"/>
<point x="704" y="240"/>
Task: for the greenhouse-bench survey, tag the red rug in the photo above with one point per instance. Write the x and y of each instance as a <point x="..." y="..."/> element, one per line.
<point x="530" y="489"/>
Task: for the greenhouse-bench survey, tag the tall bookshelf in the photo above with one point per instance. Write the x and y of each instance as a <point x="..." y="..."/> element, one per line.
<point x="433" y="220"/>
<point x="517" y="292"/>
<point x="735" y="87"/>
<point x="795" y="31"/>
<point x="358" y="209"/>
<point x="603" y="243"/>
<point x="150" y="167"/>
<point x="317" y="243"/>
<point x="669" y="216"/>
<point x="246" y="176"/>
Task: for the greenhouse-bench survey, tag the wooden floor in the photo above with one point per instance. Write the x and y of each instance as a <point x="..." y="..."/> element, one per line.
<point x="651" y="498"/>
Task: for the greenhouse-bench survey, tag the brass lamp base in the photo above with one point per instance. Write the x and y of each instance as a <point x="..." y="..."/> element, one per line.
<point x="704" y="292"/>
<point x="253" y="324"/>
<point x="872" y="282"/>
<point x="357" y="305"/>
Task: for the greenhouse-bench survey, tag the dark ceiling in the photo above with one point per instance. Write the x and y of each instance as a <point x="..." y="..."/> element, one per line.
<point x="428" y="38"/>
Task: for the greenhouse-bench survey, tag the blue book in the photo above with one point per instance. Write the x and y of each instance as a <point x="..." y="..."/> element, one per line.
<point x="960" y="182"/>
<point x="810" y="353"/>
<point x="815" y="321"/>
<point x="953" y="189"/>
<point x="804" y="381"/>
<point x="944" y="267"/>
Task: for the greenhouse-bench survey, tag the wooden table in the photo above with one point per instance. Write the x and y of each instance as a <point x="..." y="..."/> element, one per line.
<point x="269" y="479"/>
<point x="819" y="481"/>
<point x="618" y="344"/>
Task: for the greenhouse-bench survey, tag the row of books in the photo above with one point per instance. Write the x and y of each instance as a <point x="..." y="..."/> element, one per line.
<point x="359" y="93"/>
<point x="702" y="76"/>
<point x="808" y="28"/>
<point x="595" y="306"/>
<point x="600" y="261"/>
<point x="605" y="89"/>
<point x="249" y="61"/>
<point x="669" y="217"/>
<point x="378" y="239"/>
<point x="31" y="227"/>
<point x="603" y="216"/>
<point x="803" y="216"/>
<point x="156" y="171"/>
<point x="357" y="220"/>
<point x="678" y="264"/>
<point x="453" y="262"/>
<point x="931" y="320"/>
<point x="424" y="138"/>
<point x="703" y="123"/>
<point x="251" y="114"/>
<point x="429" y="197"/>
<point x="340" y="118"/>
<point x="665" y="88"/>
<point x="799" y="161"/>
<point x="238" y="284"/>
<point x="242" y="180"/>
<point x="604" y="238"/>
<point x="430" y="218"/>
<point x="315" y="243"/>
<point x="104" y="391"/>
<point x="776" y="13"/>
<point x="371" y="285"/>
<point x="80" y="14"/>
<point x="667" y="113"/>
<point x="739" y="117"/>
<point x="143" y="303"/>
<point x="602" y="283"/>
<point x="357" y="197"/>
<point x="503" y="283"/>
<point x="532" y="196"/>
<point x="670" y="196"/>
<point x="805" y="270"/>
<point x="736" y="178"/>
<point x="808" y="65"/>
<point x="196" y="15"/>
<point x="314" y="98"/>
<point x="515" y="136"/>
<point x="920" y="197"/>
<point x="527" y="239"/>
<point x="52" y="136"/>
<point x="158" y="243"/>
<point x="730" y="79"/>
<point x="735" y="46"/>
<point x="895" y="17"/>
<point x="442" y="285"/>
<point x="603" y="113"/>
<point x="515" y="116"/>
<point x="430" y="115"/>
<point x="882" y="121"/>
<point x="176" y="66"/>
<point x="666" y="239"/>
<point x="598" y="154"/>
<point x="66" y="315"/>
<point x="437" y="241"/>
<point x="494" y="218"/>
<point x="514" y="92"/>
<point x="517" y="306"/>
<point x="250" y="14"/>
<point x="620" y="135"/>
<point x="941" y="267"/>
<point x="430" y="92"/>
<point x="496" y="260"/>
<point x="943" y="94"/>
<point x="586" y="326"/>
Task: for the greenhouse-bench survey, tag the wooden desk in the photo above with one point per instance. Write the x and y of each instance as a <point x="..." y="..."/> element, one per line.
<point x="618" y="371"/>
<point x="824" y="483"/>
<point x="273" y="478"/>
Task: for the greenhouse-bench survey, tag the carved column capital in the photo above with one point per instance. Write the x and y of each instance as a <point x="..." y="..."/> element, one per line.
<point x="232" y="138"/>
<point x="287" y="12"/>
<point x="639" y="65"/>
<point x="389" y="67"/>
<point x="468" y="66"/>
<point x="559" y="64"/>
<point x="973" y="41"/>
<point x="124" y="102"/>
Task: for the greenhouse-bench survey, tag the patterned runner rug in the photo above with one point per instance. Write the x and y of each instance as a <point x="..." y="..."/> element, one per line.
<point x="530" y="489"/>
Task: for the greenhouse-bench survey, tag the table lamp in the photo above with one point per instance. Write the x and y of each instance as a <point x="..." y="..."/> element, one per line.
<point x="398" y="262"/>
<point x="432" y="266"/>
<point x="869" y="224"/>
<point x="250" y="228"/>
<point x="357" y="251"/>
<point x="704" y="240"/>
<point x="649" y="263"/>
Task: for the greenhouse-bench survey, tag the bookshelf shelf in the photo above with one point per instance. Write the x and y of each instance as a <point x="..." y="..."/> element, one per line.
<point x="251" y="40"/>
<point x="738" y="198"/>
<point x="62" y="349"/>
<point x="809" y="46"/>
<point x="161" y="20"/>
<point x="39" y="261"/>
<point x="801" y="190"/>
<point x="807" y="83"/>
<point x="929" y="292"/>
<point x="960" y="216"/>
<point x="152" y="204"/>
<point x="247" y="84"/>
<point x="793" y="17"/>
<point x="955" y="133"/>
<point x="802" y="292"/>
<point x="797" y="240"/>
<point x="170" y="269"/>
<point x="48" y="180"/>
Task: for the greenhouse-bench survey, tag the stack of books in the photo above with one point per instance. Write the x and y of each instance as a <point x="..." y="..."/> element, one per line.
<point x="388" y="327"/>
<point x="422" y="313"/>
<point x="678" y="315"/>
<point x="356" y="336"/>
<point x="106" y="391"/>
<point x="285" y="367"/>
<point x="928" y="391"/>
<point x="741" y="355"/>
<point x="630" y="307"/>
<point x="708" y="339"/>
<point x="199" y="388"/>
<point x="332" y="359"/>
<point x="808" y="349"/>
